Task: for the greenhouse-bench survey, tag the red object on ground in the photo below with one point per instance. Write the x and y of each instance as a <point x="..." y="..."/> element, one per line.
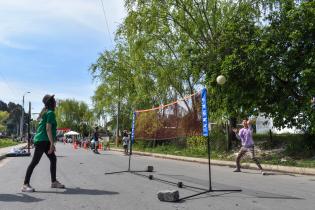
<point x="75" y="146"/>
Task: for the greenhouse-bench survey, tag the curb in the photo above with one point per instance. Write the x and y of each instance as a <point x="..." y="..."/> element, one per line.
<point x="267" y="167"/>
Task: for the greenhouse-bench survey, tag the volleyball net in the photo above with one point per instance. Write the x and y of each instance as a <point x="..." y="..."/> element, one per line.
<point x="182" y="118"/>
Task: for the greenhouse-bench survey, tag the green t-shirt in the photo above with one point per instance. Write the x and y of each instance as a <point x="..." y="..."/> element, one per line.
<point x="41" y="133"/>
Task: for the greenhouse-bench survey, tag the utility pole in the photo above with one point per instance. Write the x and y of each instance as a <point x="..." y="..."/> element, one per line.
<point x="21" y="121"/>
<point x="29" y="128"/>
<point x="118" y="113"/>
<point x="22" y="117"/>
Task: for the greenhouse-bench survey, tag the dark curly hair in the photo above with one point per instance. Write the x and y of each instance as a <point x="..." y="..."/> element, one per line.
<point x="49" y="105"/>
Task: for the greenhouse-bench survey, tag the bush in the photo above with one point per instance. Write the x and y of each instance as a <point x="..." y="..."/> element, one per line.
<point x="7" y="143"/>
<point x="197" y="142"/>
<point x="218" y="140"/>
<point x="301" y="147"/>
<point x="295" y="145"/>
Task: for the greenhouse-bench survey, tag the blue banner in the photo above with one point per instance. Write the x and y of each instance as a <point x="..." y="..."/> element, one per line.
<point x="204" y="110"/>
<point x="133" y="127"/>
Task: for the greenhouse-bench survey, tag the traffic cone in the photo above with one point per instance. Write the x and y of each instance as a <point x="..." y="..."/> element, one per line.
<point x="75" y="145"/>
<point x="100" y="146"/>
<point x="84" y="145"/>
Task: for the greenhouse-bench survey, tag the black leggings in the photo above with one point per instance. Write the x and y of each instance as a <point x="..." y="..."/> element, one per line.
<point x="40" y="148"/>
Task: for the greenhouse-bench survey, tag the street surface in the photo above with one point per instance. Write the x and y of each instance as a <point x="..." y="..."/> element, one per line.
<point x="88" y="188"/>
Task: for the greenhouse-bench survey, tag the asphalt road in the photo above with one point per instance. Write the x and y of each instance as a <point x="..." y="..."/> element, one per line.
<point x="88" y="188"/>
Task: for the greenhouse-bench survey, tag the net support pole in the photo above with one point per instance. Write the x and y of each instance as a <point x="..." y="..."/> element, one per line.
<point x="206" y="134"/>
<point x="209" y="163"/>
<point x="205" y="128"/>
<point x="132" y="137"/>
<point x="130" y="153"/>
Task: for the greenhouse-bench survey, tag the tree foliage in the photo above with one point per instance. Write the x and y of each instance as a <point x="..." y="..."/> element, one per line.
<point x="3" y="117"/>
<point x="74" y="115"/>
<point x="166" y="49"/>
<point x="12" y="122"/>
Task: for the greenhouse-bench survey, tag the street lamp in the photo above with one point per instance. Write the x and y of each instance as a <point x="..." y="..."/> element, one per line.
<point x="22" y="117"/>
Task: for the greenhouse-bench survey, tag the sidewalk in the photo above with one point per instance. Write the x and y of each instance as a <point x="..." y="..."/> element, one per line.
<point x="267" y="167"/>
<point x="4" y="151"/>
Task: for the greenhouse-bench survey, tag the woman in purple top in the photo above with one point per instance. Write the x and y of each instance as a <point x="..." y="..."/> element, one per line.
<point x="246" y="137"/>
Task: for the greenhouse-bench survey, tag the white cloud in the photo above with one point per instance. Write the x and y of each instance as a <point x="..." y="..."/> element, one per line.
<point x="20" y="18"/>
<point x="15" y="44"/>
<point x="22" y="22"/>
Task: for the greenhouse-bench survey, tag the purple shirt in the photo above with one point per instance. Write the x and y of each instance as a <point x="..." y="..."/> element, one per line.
<point x="246" y="135"/>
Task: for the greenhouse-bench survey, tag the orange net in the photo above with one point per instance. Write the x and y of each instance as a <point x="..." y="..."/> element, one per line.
<point x="181" y="118"/>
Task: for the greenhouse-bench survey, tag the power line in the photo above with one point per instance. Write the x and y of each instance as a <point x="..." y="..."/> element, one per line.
<point x="104" y="13"/>
<point x="7" y="84"/>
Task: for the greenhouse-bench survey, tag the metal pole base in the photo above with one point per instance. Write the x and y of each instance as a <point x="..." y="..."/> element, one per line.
<point x="205" y="192"/>
<point x="178" y="184"/>
<point x="181" y="185"/>
<point x="149" y="169"/>
<point x="119" y="172"/>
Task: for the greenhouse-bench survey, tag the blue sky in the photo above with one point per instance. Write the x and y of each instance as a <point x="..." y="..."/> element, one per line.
<point x="47" y="46"/>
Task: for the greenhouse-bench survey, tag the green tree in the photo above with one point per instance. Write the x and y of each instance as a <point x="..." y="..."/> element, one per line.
<point x="13" y="122"/>
<point x="74" y="115"/>
<point x="166" y="49"/>
<point x="274" y="72"/>
<point x="116" y="83"/>
<point x="290" y="54"/>
<point x="3" y="117"/>
<point x="3" y="106"/>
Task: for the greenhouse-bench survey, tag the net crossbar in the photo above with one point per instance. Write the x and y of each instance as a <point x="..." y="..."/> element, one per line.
<point x="181" y="118"/>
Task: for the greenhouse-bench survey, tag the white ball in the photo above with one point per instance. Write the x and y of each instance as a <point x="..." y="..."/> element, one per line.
<point x="221" y="79"/>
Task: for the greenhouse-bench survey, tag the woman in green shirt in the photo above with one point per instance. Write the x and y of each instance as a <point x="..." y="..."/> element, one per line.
<point x="44" y="143"/>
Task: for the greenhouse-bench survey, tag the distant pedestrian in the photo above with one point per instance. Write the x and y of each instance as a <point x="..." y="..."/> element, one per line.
<point x="125" y="141"/>
<point x="96" y="140"/>
<point x="44" y="143"/>
<point x="246" y="136"/>
<point x="107" y="143"/>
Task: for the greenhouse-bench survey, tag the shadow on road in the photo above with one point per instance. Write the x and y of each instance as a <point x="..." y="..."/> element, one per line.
<point x="80" y="191"/>
<point x="105" y="154"/>
<point x="20" y="197"/>
<point x="251" y="194"/>
<point x="270" y="173"/>
<point x="218" y="186"/>
<point x="262" y="194"/>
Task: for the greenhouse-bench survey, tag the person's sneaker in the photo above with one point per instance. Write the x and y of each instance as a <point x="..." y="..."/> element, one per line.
<point x="237" y="170"/>
<point x="27" y="188"/>
<point x="57" y="184"/>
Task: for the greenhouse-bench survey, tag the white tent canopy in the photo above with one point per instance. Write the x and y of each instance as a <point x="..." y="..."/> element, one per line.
<point x="71" y="133"/>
